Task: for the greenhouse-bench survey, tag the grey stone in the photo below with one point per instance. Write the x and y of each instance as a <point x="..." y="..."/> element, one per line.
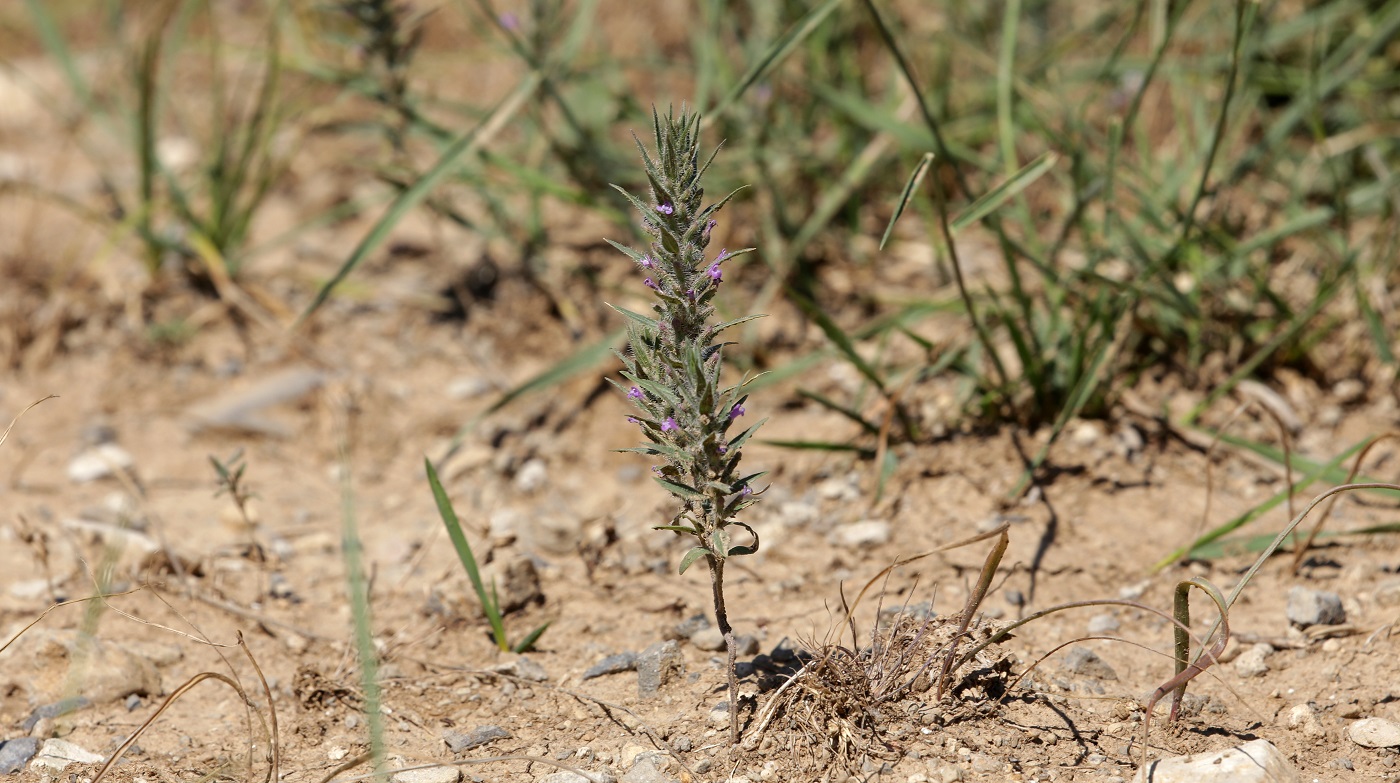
<point x="15" y="753"/>
<point x="1101" y="624"/>
<point x="864" y="534"/>
<point x="613" y="664"/>
<point x="239" y="409"/>
<point x="1253" y="762"/>
<point x="458" y="741"/>
<point x="100" y="462"/>
<point x="56" y="754"/>
<point x="719" y="715"/>
<point x="708" y="639"/>
<point x="519" y="584"/>
<point x="55" y="709"/>
<point x="1250" y="663"/>
<point x="1087" y="663"/>
<point x="111" y="671"/>
<point x="442" y="774"/>
<point x="578" y="776"/>
<point x="746" y="644"/>
<point x="1314" y="607"/>
<point x="646" y="771"/>
<point x="1374" y="733"/>
<point x="687" y="627"/>
<point x="657" y="665"/>
<point x="522" y="667"/>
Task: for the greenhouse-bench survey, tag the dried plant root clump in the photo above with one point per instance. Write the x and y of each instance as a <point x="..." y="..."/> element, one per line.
<point x="845" y="707"/>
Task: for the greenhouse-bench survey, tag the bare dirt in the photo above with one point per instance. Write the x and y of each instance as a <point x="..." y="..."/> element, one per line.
<point x="537" y="480"/>
<point x="421" y="342"/>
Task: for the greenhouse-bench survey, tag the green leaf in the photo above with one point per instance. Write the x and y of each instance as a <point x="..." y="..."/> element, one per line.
<point x="744" y="550"/>
<point x="678" y="529"/>
<point x="464" y="553"/>
<point x="1001" y="193"/>
<point x="910" y="186"/>
<point x="679" y="490"/>
<point x="746" y="434"/>
<point x="528" y="642"/>
<point x="694" y="554"/>
<point x="650" y="323"/>
<point x="721" y="327"/>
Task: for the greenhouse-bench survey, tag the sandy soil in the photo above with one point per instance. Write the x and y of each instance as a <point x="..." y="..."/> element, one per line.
<point x="403" y="364"/>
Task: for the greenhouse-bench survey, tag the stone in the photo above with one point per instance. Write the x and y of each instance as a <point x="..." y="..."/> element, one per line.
<point x="109" y="671"/>
<point x="578" y="776"/>
<point x="1101" y="624"/>
<point x="746" y="644"/>
<point x="864" y="534"/>
<point x="522" y="667"/>
<point x="532" y="476"/>
<point x="1307" y="608"/>
<point x="1304" y="717"/>
<point x="657" y="665"/>
<point x="719" y="715"/>
<point x="443" y="774"/>
<point x="1250" y="663"/>
<point x="1253" y="762"/>
<point x="239" y="409"/>
<point x="1087" y="663"/>
<point x="99" y="462"/>
<point x="15" y="753"/>
<point x="613" y="664"/>
<point x="458" y="741"/>
<point x="1374" y="733"/>
<point x="647" y="771"/>
<point x="54" y="710"/>
<point x="686" y="628"/>
<point x="56" y="754"/>
<point x="519" y="584"/>
<point x="708" y="638"/>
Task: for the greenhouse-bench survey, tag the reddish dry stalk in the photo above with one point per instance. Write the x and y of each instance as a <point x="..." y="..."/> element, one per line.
<point x="722" y="620"/>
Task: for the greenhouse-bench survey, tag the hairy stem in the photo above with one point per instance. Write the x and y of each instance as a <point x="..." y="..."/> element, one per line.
<point x="722" y="620"/>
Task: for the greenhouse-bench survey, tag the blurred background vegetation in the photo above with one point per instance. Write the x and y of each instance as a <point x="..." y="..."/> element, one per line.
<point x="1185" y="194"/>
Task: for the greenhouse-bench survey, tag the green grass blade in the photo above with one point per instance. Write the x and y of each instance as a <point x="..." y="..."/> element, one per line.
<point x="358" y="586"/>
<point x="464" y="553"/>
<point x="776" y="53"/>
<point x="837" y="335"/>
<point x="528" y="643"/>
<point x="419" y="190"/>
<point x="910" y="185"/>
<point x="1316" y="472"/>
<point x="1000" y="194"/>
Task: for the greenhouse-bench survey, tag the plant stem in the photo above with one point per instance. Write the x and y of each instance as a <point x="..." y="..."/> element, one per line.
<point x="722" y="620"/>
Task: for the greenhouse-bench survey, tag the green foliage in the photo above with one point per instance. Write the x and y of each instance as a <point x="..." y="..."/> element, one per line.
<point x="490" y="601"/>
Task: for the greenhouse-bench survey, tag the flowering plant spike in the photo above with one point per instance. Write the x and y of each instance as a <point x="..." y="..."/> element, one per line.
<point x="672" y="367"/>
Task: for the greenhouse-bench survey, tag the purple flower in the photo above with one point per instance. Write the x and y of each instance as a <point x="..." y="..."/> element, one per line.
<point x="634" y="393"/>
<point x="747" y="490"/>
<point x="649" y="283"/>
<point x="709" y="226"/>
<point x="714" y="272"/>
<point x="723" y="254"/>
<point x="509" y="21"/>
<point x="669" y="424"/>
<point x="665" y="208"/>
<point x="736" y="411"/>
<point x="647" y="263"/>
<point x="633" y="420"/>
<point x="690" y="292"/>
<point x="722" y="449"/>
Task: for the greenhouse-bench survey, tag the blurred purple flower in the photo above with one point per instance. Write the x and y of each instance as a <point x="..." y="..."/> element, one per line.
<point x="736" y="411"/>
<point x="647" y="263"/>
<point x="665" y="208"/>
<point x="509" y="21"/>
<point x="714" y="272"/>
<point x="634" y="393"/>
<point x="633" y="420"/>
<point x="669" y="424"/>
<point x="709" y="226"/>
<point x="722" y="449"/>
<point x="649" y="283"/>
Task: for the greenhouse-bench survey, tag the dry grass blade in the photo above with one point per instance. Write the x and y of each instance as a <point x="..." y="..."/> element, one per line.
<point x="1351" y="476"/>
<point x="1187" y="670"/>
<point x="15" y="420"/>
<point x="275" y="758"/>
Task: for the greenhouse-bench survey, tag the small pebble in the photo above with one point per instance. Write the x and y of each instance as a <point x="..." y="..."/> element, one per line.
<point x="1103" y="624"/>
<point x="1087" y="663"/>
<point x="657" y="665"/>
<point x="1250" y="663"/>
<point x="1375" y="733"/>
<point x="868" y="533"/>
<point x="461" y="741"/>
<point x="1307" y="608"/>
<point x="613" y="664"/>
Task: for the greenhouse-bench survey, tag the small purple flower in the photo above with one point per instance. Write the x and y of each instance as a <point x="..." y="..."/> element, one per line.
<point x="723" y="254"/>
<point x="634" y="393"/>
<point x="746" y="491"/>
<point x="509" y="21"/>
<point x="665" y="208"/>
<point x="647" y="263"/>
<point x="722" y="449"/>
<point x="714" y="272"/>
<point x="633" y="420"/>
<point x="690" y="292"/>
<point x="649" y="283"/>
<point x="669" y="424"/>
<point x="709" y="226"/>
<point x="736" y="411"/>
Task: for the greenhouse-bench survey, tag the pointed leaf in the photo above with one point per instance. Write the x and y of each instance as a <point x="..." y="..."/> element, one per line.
<point x="638" y="317"/>
<point x="679" y="490"/>
<point x="745" y="550"/>
<point x="694" y="554"/>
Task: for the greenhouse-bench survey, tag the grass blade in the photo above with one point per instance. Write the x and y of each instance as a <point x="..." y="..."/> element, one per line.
<point x="464" y="553"/>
